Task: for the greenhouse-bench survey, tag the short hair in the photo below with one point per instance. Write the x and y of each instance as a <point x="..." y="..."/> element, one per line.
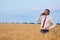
<point x="48" y="11"/>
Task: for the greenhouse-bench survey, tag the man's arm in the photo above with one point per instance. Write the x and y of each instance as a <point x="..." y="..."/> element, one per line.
<point x="38" y="19"/>
<point x="53" y="23"/>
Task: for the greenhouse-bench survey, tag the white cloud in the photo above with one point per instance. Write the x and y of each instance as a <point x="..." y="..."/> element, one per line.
<point x="37" y="8"/>
<point x="54" y="7"/>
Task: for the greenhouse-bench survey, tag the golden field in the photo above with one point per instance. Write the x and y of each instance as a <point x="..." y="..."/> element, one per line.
<point x="27" y="32"/>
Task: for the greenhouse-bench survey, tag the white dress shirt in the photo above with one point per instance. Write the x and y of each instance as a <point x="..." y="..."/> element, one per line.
<point x="48" y="23"/>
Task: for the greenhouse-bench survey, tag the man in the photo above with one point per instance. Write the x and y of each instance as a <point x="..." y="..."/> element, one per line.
<point x="46" y="21"/>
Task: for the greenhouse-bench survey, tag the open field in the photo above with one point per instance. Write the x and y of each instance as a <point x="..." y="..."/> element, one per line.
<point x="27" y="32"/>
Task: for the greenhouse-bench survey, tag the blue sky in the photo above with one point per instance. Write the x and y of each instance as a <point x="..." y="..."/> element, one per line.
<point x="27" y="10"/>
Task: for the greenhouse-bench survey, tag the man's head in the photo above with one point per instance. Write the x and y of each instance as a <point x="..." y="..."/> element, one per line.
<point x="47" y="12"/>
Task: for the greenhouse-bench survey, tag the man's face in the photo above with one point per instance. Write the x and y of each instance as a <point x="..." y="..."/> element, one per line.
<point x="46" y="12"/>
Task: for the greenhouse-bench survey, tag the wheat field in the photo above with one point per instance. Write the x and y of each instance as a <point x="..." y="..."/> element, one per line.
<point x="27" y="32"/>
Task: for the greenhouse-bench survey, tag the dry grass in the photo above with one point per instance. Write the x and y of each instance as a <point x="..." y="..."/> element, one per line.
<point x="27" y="32"/>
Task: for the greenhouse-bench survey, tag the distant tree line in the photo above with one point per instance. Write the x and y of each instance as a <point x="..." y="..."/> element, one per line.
<point x="18" y="23"/>
<point x="21" y="23"/>
<point x="58" y="23"/>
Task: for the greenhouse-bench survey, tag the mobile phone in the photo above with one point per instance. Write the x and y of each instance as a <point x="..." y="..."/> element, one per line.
<point x="43" y="13"/>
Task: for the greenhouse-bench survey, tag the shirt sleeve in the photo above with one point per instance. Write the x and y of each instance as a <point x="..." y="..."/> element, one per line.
<point x="53" y="23"/>
<point x="38" y="19"/>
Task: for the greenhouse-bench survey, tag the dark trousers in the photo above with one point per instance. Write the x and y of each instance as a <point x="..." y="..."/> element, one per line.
<point x="44" y="30"/>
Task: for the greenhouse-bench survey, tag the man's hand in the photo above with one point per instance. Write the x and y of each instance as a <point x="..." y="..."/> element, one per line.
<point x="46" y="28"/>
<point x="42" y="14"/>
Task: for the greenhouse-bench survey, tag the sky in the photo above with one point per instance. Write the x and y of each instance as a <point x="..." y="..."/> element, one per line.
<point x="28" y="10"/>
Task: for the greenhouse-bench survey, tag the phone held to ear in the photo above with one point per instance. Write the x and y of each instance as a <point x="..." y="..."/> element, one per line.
<point x="43" y="13"/>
